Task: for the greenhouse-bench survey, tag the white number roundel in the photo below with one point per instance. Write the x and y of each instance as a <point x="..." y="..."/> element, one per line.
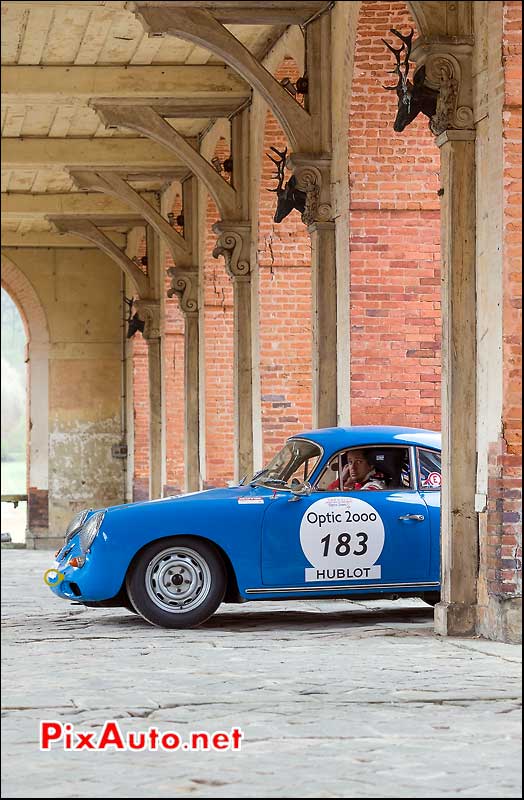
<point x="341" y="532"/>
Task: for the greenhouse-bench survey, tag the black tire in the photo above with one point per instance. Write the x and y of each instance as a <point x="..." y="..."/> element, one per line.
<point x="129" y="605"/>
<point x="177" y="582"/>
<point x="431" y="598"/>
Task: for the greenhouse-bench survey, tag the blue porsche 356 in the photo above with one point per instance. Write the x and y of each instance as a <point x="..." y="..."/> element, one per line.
<point x="338" y="512"/>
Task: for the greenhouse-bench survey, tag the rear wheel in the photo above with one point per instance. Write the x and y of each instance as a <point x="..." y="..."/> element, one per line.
<point x="177" y="583"/>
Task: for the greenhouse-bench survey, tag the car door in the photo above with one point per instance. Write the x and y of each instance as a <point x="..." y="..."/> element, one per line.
<point x="429" y="485"/>
<point x="351" y="539"/>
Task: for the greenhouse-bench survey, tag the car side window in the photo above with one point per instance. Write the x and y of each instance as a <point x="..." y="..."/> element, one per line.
<point x="328" y="481"/>
<point x="429" y="470"/>
<point x="369" y="468"/>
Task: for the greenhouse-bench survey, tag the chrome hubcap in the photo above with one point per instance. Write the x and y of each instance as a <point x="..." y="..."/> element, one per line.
<point x="178" y="579"/>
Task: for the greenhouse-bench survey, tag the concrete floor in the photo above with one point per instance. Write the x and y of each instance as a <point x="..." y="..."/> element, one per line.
<point x="334" y="699"/>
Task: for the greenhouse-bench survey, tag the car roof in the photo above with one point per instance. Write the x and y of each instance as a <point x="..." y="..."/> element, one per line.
<point x="334" y="438"/>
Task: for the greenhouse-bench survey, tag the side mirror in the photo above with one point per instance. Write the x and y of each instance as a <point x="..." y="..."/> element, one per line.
<point x="301" y="490"/>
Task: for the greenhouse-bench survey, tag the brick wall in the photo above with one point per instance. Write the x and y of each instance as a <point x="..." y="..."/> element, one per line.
<point x="37" y="508"/>
<point x="173" y="377"/>
<point x="284" y="258"/>
<point x="173" y="388"/>
<point x="140" y="407"/>
<point x="173" y="381"/>
<point x="394" y="241"/>
<point x="140" y="418"/>
<point x="504" y="573"/>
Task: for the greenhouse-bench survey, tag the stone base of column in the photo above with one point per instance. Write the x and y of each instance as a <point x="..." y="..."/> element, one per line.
<point x="455" y="619"/>
<point x="501" y="619"/>
<point x="42" y="539"/>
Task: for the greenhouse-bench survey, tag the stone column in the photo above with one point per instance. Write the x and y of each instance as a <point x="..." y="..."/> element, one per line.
<point x="234" y="244"/>
<point x="313" y="177"/>
<point x="456" y="614"/>
<point x="448" y="69"/>
<point x="149" y="311"/>
<point x="184" y="283"/>
<point x="324" y="293"/>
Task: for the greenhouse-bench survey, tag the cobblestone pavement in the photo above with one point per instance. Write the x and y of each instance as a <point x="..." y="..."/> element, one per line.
<point x="334" y="699"/>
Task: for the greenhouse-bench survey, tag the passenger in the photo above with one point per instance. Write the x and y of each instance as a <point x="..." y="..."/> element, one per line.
<point x="358" y="474"/>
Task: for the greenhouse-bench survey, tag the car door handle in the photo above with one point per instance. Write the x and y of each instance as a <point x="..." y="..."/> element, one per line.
<point x="416" y="517"/>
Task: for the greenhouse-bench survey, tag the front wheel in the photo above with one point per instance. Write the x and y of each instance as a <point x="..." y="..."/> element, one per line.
<point x="177" y="582"/>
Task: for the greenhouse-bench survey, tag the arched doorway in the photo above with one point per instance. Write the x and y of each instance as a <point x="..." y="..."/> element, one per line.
<point x="29" y="307"/>
<point x="14" y="422"/>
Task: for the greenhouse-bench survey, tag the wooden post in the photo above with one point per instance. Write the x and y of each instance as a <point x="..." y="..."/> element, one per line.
<point x="456" y="613"/>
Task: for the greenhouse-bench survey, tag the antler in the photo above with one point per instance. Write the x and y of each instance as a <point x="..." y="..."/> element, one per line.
<point x="407" y="41"/>
<point x="406" y="46"/>
<point x="129" y="303"/>
<point x="280" y="165"/>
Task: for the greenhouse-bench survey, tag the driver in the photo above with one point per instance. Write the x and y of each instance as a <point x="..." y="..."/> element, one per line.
<point x="358" y="474"/>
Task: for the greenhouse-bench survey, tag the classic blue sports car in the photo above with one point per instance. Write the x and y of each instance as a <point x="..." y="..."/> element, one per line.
<point x="338" y="512"/>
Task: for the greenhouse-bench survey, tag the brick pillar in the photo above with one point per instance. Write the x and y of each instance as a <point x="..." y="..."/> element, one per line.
<point x="150" y="311"/>
<point x="234" y="244"/>
<point x="184" y="283"/>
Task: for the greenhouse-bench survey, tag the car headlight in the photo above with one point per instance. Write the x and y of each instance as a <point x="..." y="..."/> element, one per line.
<point x="75" y="524"/>
<point x="90" y="530"/>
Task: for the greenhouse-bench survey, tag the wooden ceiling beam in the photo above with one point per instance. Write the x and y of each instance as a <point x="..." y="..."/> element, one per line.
<point x="75" y="85"/>
<point x="251" y="12"/>
<point x="35" y="239"/>
<point x="126" y="155"/>
<point x="85" y="204"/>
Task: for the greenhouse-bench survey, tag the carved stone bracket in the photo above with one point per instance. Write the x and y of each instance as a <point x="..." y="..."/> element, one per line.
<point x="149" y="312"/>
<point x="313" y="176"/>
<point x="448" y="69"/>
<point x="184" y="283"/>
<point x="234" y="243"/>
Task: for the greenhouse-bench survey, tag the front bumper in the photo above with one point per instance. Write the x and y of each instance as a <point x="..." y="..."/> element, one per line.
<point x="94" y="581"/>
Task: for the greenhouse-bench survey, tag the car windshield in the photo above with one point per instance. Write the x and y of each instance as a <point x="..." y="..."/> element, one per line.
<point x="291" y="467"/>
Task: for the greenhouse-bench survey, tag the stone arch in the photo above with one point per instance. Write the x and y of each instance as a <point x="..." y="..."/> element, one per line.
<point x="436" y="18"/>
<point x="23" y="294"/>
<point x="31" y="310"/>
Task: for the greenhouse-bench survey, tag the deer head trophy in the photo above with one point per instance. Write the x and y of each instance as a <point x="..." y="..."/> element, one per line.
<point x="134" y="323"/>
<point x="289" y="197"/>
<point x="413" y="98"/>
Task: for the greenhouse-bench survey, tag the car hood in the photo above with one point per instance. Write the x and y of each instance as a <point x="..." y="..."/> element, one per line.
<point x="207" y="495"/>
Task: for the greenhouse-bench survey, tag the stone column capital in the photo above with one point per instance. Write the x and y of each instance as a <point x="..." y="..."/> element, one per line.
<point x="448" y="69"/>
<point x="234" y="243"/>
<point x="184" y="283"/>
<point x="321" y="227"/>
<point x="313" y="177"/>
<point x="452" y="135"/>
<point x="149" y="312"/>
